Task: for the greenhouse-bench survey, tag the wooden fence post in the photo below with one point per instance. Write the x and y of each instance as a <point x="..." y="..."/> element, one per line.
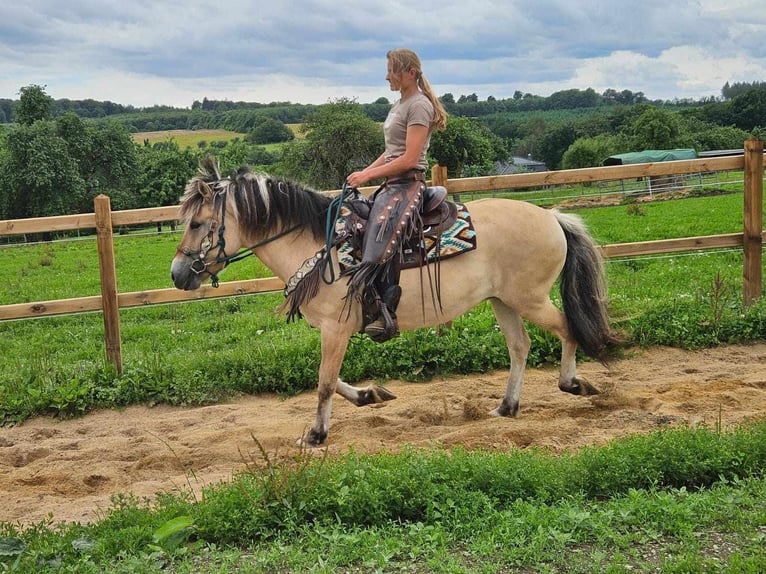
<point x="106" y="265"/>
<point x="439" y="177"/>
<point x="752" y="240"/>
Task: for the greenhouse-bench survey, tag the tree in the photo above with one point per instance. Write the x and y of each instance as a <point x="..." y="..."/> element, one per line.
<point x="554" y="142"/>
<point x="110" y="166"/>
<point x="164" y="169"/>
<point x="270" y="130"/>
<point x="340" y="139"/>
<point x="464" y="142"/>
<point x="58" y="167"/>
<point x="40" y="177"/>
<point x="748" y="109"/>
<point x="655" y="129"/>
<point x="574" y="98"/>
<point x="34" y="105"/>
<point x="591" y="152"/>
<point x="469" y="98"/>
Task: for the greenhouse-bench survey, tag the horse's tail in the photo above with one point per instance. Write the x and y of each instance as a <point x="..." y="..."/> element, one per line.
<point x="583" y="290"/>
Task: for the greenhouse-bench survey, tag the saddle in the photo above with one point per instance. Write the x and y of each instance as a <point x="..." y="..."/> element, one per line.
<point x="436" y="216"/>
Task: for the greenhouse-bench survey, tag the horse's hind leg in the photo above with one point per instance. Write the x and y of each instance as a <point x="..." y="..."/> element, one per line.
<point x="518" y="343"/>
<point x="552" y="319"/>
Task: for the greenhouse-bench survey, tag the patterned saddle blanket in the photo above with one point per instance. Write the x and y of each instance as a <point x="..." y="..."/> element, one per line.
<point x="447" y="235"/>
<point x="435" y="243"/>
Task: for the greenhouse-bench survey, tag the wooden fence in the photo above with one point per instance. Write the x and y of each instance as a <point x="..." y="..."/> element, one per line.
<point x="111" y="300"/>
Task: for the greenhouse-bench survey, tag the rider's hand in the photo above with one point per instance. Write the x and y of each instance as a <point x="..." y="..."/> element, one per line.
<point x="356" y="179"/>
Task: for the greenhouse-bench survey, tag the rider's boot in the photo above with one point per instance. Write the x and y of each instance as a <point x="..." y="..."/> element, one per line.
<point x="386" y="327"/>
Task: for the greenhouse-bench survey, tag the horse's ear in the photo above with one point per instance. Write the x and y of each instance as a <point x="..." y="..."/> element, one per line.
<point x="204" y="191"/>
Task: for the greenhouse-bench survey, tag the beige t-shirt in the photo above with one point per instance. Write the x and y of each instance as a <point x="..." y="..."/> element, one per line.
<point x="414" y="110"/>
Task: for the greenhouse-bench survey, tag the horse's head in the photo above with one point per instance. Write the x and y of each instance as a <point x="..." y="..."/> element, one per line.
<point x="222" y="215"/>
<point x="211" y="232"/>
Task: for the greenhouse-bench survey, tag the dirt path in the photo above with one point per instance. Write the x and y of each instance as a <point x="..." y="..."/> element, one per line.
<point x="71" y="468"/>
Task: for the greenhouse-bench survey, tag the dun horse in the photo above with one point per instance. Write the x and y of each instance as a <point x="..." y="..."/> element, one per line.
<point x="521" y="250"/>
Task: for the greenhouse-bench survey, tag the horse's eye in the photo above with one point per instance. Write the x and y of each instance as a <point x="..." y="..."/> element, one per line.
<point x="194" y="225"/>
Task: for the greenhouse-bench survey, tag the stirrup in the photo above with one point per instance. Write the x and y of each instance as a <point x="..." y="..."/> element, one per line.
<point x="383" y="328"/>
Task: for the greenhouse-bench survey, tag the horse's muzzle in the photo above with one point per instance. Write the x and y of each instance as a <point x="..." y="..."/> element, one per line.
<point x="183" y="276"/>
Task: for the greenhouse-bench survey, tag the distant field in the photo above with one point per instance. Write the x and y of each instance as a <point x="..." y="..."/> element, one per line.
<point x="190" y="138"/>
<point x="187" y="138"/>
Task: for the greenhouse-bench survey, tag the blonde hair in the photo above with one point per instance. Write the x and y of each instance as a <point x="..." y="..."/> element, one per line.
<point x="404" y="60"/>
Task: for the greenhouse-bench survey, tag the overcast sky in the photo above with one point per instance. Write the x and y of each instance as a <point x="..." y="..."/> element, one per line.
<point x="172" y="52"/>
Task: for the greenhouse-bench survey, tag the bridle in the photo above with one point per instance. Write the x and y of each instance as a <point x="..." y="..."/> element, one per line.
<point x="199" y="265"/>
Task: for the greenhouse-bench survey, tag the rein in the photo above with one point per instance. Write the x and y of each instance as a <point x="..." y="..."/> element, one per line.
<point x="199" y="265"/>
<point x="333" y="215"/>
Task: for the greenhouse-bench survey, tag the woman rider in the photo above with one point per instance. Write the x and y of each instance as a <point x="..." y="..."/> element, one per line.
<point x="407" y="131"/>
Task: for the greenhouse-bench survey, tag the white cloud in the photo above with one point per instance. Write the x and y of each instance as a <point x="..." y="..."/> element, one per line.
<point x="310" y="51"/>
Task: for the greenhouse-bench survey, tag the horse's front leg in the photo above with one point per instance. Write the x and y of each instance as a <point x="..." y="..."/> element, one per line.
<point x="362" y="396"/>
<point x="334" y="344"/>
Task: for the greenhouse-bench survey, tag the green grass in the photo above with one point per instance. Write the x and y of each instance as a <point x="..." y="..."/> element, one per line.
<point x="199" y="352"/>
<point x="694" y="216"/>
<point x="680" y="500"/>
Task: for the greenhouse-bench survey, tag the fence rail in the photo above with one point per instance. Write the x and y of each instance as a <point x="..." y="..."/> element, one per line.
<point x="104" y="220"/>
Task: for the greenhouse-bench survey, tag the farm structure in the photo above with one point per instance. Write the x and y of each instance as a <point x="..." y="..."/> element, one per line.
<point x="103" y="220"/>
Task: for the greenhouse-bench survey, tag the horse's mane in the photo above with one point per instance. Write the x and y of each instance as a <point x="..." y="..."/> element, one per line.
<point x="258" y="201"/>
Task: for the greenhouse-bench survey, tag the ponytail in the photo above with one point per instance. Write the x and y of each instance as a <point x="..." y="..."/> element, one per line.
<point x="404" y="59"/>
<point x="440" y="114"/>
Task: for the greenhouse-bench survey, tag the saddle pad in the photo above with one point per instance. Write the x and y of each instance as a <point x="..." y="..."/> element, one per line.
<point x="459" y="238"/>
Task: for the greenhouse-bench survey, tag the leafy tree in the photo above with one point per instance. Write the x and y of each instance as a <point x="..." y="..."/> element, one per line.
<point x="554" y="142"/>
<point x="730" y="91"/>
<point x="40" y="176"/>
<point x="447" y="98"/>
<point x="625" y="97"/>
<point x="110" y="166"/>
<point x="58" y="167"/>
<point x="469" y="98"/>
<point x="574" y="98"/>
<point x="340" y="138"/>
<point x="656" y="129"/>
<point x="748" y="109"/>
<point x="164" y="169"/>
<point x="34" y="105"/>
<point x="702" y="135"/>
<point x="720" y="137"/>
<point x="239" y="153"/>
<point x="270" y="130"/>
<point x="591" y="152"/>
<point x="465" y="142"/>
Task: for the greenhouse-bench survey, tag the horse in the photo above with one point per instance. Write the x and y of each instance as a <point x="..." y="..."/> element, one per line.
<point x="521" y="250"/>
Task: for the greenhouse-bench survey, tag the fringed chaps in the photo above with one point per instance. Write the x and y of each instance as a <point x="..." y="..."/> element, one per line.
<point x="393" y="219"/>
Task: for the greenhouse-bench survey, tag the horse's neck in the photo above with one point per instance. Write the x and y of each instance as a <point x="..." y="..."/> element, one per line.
<point x="285" y="256"/>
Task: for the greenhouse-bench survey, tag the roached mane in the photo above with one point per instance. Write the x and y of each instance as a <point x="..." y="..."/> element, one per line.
<point x="259" y="202"/>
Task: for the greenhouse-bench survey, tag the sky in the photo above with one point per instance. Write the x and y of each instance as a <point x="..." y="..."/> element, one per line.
<point x="168" y="52"/>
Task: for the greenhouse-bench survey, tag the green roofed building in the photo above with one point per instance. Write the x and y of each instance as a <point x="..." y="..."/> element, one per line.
<point x="650" y="156"/>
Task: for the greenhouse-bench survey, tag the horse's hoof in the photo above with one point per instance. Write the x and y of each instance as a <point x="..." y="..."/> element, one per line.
<point x="586" y="389"/>
<point x="578" y="386"/>
<point x="382" y="394"/>
<point x="505" y="410"/>
<point x="312" y="439"/>
<point x="374" y="395"/>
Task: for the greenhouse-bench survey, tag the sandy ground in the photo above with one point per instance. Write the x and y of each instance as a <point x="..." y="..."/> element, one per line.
<point x="69" y="469"/>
